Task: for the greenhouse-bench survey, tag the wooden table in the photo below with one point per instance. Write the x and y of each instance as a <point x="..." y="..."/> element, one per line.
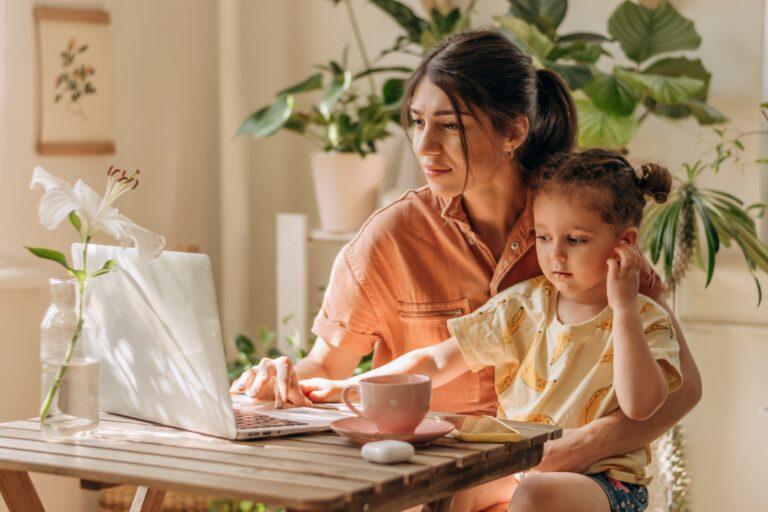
<point x="309" y="472"/>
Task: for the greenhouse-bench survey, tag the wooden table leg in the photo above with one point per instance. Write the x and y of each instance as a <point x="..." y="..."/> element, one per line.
<point x="147" y="499"/>
<point x="19" y="493"/>
<point x="441" y="505"/>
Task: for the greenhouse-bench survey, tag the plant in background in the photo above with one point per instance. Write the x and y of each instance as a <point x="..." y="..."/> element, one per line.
<point x="673" y="232"/>
<point x="612" y="103"/>
<point x="89" y="214"/>
<point x="345" y="120"/>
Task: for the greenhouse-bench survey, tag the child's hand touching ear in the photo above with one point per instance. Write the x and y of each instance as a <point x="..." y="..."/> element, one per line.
<point x="624" y="277"/>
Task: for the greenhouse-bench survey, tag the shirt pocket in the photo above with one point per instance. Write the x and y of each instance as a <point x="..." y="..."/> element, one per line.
<point x="425" y="324"/>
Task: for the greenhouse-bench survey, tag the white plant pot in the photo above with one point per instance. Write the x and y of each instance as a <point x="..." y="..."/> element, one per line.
<point x="347" y="187"/>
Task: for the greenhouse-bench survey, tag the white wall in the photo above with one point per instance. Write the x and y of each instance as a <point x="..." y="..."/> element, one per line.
<point x="165" y="63"/>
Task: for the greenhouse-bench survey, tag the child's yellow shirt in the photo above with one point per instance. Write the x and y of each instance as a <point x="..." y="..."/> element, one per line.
<point x="559" y="374"/>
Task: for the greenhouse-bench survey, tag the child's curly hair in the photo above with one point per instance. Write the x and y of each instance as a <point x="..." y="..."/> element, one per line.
<point x="618" y="190"/>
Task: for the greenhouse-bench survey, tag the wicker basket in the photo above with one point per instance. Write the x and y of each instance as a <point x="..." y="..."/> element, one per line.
<point x="119" y="499"/>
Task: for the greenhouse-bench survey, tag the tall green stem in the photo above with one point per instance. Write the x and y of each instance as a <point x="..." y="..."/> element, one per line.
<point x="359" y="39"/>
<point x="82" y="283"/>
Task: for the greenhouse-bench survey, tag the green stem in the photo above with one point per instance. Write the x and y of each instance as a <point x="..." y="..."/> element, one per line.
<point x="359" y="39"/>
<point x="72" y="343"/>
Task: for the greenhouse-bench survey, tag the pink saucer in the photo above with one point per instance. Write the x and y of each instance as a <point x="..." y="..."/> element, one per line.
<point x="361" y="430"/>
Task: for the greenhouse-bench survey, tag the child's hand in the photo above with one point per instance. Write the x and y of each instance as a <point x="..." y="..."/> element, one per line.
<point x="624" y="277"/>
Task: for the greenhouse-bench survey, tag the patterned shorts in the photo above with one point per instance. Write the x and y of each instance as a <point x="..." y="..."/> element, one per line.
<point x="622" y="496"/>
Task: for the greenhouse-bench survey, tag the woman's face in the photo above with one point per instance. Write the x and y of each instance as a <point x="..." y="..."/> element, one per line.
<point x="437" y="143"/>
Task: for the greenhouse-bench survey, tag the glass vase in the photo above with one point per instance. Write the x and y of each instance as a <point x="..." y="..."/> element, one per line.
<point x="69" y="353"/>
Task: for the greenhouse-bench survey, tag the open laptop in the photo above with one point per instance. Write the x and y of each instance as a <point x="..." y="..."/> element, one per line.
<point x="162" y="357"/>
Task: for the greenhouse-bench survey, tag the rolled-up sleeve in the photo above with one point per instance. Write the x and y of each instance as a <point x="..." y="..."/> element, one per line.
<point x="347" y="318"/>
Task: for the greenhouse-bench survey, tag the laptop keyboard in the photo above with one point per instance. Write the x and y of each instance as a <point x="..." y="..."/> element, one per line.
<point x="246" y="420"/>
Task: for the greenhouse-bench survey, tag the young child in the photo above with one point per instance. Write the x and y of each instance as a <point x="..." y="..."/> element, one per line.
<point x="578" y="342"/>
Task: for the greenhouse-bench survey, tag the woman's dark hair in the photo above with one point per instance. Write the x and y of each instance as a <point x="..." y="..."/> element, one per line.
<point x="616" y="190"/>
<point x="486" y="72"/>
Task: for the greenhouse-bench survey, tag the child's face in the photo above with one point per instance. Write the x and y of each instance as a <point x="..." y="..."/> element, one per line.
<point x="573" y="244"/>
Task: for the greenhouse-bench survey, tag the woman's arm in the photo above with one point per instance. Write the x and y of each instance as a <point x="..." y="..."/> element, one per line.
<point x="615" y="433"/>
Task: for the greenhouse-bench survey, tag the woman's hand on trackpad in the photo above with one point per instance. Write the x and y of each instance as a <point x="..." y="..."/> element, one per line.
<point x="272" y="379"/>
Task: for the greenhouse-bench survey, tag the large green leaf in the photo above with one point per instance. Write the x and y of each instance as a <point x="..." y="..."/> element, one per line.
<point x="405" y="17"/>
<point x="546" y="15"/>
<point x="643" y="33"/>
<point x="665" y="90"/>
<point x="681" y="66"/>
<point x="339" y="85"/>
<point x="312" y="83"/>
<point x="526" y="35"/>
<point x="705" y="114"/>
<point x="600" y="129"/>
<point x="575" y="75"/>
<point x="50" y="254"/>
<point x="269" y="119"/>
<point x="579" y="51"/>
<point x="611" y="93"/>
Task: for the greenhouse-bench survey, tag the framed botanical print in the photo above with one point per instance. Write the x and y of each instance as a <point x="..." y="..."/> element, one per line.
<point x="75" y="82"/>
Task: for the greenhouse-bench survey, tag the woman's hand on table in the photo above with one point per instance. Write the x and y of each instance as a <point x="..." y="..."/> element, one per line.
<point x="272" y="379"/>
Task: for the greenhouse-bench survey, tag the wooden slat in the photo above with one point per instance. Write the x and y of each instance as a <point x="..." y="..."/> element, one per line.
<point x="438" y="464"/>
<point x="382" y="479"/>
<point x="296" y="495"/>
<point x="207" y="467"/>
<point x="147" y="499"/>
<point x="18" y="492"/>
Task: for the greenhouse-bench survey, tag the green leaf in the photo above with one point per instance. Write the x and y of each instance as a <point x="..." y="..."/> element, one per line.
<point x="388" y="69"/>
<point x="268" y="120"/>
<point x="666" y="90"/>
<point x="575" y="75"/>
<point x="312" y="83"/>
<point x="612" y="94"/>
<point x="50" y="254"/>
<point x="339" y="86"/>
<point x="527" y="36"/>
<point x="713" y="241"/>
<point x="108" y="266"/>
<point x="546" y="15"/>
<point x="75" y="220"/>
<point x="244" y="344"/>
<point x="681" y="66"/>
<point x="587" y="37"/>
<point x="578" y="51"/>
<point x="643" y="33"/>
<point x="705" y="114"/>
<point x="405" y="17"/>
<point x="601" y="129"/>
<point x="392" y="91"/>
<point x="80" y="275"/>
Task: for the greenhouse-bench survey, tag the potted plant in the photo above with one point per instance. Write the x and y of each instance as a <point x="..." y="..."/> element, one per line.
<point x="345" y="125"/>
<point x="613" y="102"/>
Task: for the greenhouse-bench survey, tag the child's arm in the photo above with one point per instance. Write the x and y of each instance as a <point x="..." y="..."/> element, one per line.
<point x="442" y="363"/>
<point x="639" y="381"/>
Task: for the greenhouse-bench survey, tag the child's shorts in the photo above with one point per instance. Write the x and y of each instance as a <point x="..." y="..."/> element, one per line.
<point x="623" y="496"/>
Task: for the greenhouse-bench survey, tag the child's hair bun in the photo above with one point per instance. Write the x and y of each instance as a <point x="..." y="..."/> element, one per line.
<point x="656" y="181"/>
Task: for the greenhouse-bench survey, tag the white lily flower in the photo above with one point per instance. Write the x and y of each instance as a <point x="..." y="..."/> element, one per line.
<point x="95" y="212"/>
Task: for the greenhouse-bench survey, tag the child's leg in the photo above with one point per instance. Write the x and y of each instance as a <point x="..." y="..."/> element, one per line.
<point x="555" y="492"/>
<point x="484" y="496"/>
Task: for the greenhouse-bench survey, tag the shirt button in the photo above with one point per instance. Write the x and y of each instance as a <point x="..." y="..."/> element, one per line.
<point x="471" y="241"/>
<point x="515" y="246"/>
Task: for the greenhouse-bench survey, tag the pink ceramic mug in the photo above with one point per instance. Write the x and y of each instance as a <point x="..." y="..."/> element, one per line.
<point x="397" y="404"/>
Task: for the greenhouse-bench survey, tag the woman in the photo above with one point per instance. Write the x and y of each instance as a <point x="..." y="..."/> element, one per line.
<point x="480" y="118"/>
